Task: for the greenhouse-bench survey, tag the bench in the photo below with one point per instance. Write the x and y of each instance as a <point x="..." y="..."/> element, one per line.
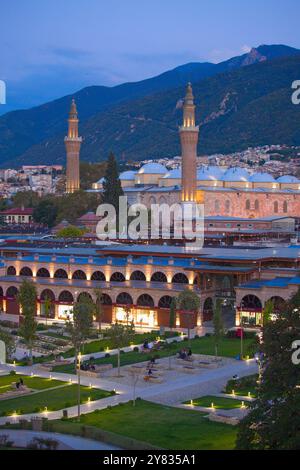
<point x="149" y="379"/>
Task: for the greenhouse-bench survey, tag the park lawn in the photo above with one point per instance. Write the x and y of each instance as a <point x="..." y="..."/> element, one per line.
<point x="36" y="383"/>
<point x="219" y="402"/>
<point x="56" y="399"/>
<point x="163" y="426"/>
<point x="243" y="386"/>
<point x="229" y="347"/>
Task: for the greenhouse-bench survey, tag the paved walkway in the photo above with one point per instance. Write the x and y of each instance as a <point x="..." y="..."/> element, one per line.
<point x="66" y="442"/>
<point x="170" y="393"/>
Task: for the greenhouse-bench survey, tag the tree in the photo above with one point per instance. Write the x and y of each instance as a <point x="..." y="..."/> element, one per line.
<point x="79" y="327"/>
<point x="172" y="317"/>
<point x="98" y="306"/>
<point x="189" y="302"/>
<point x="70" y="232"/>
<point x="26" y="199"/>
<point x="120" y="336"/>
<point x="274" y="420"/>
<point x="267" y="312"/>
<point x="218" y="325"/>
<point x="9" y="342"/>
<point x="47" y="308"/>
<point x="45" y="212"/>
<point x="112" y="184"/>
<point x="27" y="300"/>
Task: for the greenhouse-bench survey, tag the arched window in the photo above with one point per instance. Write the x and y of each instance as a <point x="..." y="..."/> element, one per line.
<point x="117" y="277"/>
<point x="12" y="292"/>
<point x="43" y="272"/>
<point x="152" y="200"/>
<point x="226" y="285"/>
<point x="256" y="204"/>
<point x="11" y="271"/>
<point x="180" y="278"/>
<point x="248" y="205"/>
<point x="165" y="301"/>
<point x="61" y="274"/>
<point x="145" y="300"/>
<point x="47" y="294"/>
<point x="208" y="309"/>
<point x="159" y="277"/>
<point x="66" y="297"/>
<point x="251" y="302"/>
<point x="138" y="276"/>
<point x="79" y="274"/>
<point x="26" y="272"/>
<point x="124" y="299"/>
<point x="98" y="276"/>
<point x="162" y="200"/>
<point x="285" y="207"/>
<point x="106" y="300"/>
<point x="276" y="207"/>
<point x="217" y="206"/>
<point x="84" y="296"/>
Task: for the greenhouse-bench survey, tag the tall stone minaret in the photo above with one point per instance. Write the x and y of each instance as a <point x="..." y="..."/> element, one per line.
<point x="73" y="143"/>
<point x="189" y="138"/>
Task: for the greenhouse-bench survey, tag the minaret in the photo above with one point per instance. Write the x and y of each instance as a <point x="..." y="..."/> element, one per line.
<point x="73" y="143"/>
<point x="189" y="138"/>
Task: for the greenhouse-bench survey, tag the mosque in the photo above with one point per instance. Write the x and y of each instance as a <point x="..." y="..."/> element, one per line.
<point x="231" y="192"/>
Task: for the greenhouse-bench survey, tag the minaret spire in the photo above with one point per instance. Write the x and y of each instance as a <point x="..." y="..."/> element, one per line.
<point x="189" y="139"/>
<point x="73" y="144"/>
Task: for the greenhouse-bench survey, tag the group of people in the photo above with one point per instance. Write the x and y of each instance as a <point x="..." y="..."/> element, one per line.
<point x="185" y="354"/>
<point x="148" y="345"/>
<point x="87" y="366"/>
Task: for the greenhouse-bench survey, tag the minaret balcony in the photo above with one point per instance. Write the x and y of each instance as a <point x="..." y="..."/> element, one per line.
<point x="73" y="139"/>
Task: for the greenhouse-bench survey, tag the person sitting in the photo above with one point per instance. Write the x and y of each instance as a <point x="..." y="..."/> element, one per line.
<point x="146" y="345"/>
<point x="150" y="345"/>
<point x="182" y="354"/>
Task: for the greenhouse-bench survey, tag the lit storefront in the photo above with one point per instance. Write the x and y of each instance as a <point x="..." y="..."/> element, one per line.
<point x="142" y="317"/>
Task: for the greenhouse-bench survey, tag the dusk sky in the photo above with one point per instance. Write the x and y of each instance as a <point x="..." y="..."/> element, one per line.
<point x="51" y="48"/>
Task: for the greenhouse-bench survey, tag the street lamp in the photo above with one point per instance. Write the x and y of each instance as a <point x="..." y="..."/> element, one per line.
<point x="78" y="382"/>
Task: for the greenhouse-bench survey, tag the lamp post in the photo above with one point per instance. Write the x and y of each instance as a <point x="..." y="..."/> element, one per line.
<point x="78" y="382"/>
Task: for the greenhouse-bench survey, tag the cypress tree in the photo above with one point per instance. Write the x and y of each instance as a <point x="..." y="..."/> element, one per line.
<point x="112" y="184"/>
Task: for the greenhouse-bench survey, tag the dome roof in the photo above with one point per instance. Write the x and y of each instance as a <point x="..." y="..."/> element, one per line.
<point x="127" y="175"/>
<point x="262" y="178"/>
<point x="213" y="173"/>
<point x="173" y="174"/>
<point x="288" y="179"/>
<point x="236" y="174"/>
<point x="152" y="169"/>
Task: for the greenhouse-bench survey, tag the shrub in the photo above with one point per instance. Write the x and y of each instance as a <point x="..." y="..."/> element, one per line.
<point x="12" y="372"/>
<point x="107" y="355"/>
<point x="136" y="349"/>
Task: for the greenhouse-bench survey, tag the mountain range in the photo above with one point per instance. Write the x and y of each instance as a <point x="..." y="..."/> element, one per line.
<point x="244" y="101"/>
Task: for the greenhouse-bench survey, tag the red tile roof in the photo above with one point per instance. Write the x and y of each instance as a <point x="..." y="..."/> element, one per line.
<point x="18" y="211"/>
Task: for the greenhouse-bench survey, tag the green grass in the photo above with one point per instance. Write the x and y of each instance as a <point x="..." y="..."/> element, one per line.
<point x="163" y="426"/>
<point x="36" y="383"/>
<point x="56" y="399"/>
<point x="229" y="347"/>
<point x="219" y="402"/>
<point x="243" y="386"/>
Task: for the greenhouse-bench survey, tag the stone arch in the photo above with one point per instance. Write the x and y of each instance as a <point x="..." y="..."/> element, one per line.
<point x="180" y="278"/>
<point x="117" y="277"/>
<point x="98" y="276"/>
<point x="26" y="271"/>
<point x="79" y="274"/>
<point x="279" y="304"/>
<point x="61" y="274"/>
<point x="47" y="294"/>
<point x="42" y="272"/>
<point x="12" y="304"/>
<point x="145" y="300"/>
<point x="11" y="271"/>
<point x="251" y="302"/>
<point x="226" y="284"/>
<point x="138" y="276"/>
<point x="106" y="299"/>
<point x="152" y="200"/>
<point x="159" y="277"/>
<point x="124" y="299"/>
<point x="165" y="301"/>
<point x="208" y="309"/>
<point x="66" y="297"/>
<point x="162" y="200"/>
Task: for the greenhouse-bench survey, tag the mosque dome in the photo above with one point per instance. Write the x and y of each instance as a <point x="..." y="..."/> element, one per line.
<point x="173" y="174"/>
<point x="262" y="178"/>
<point x="236" y="175"/>
<point x="152" y="169"/>
<point x="288" y="179"/>
<point x="127" y="175"/>
<point x="213" y="173"/>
